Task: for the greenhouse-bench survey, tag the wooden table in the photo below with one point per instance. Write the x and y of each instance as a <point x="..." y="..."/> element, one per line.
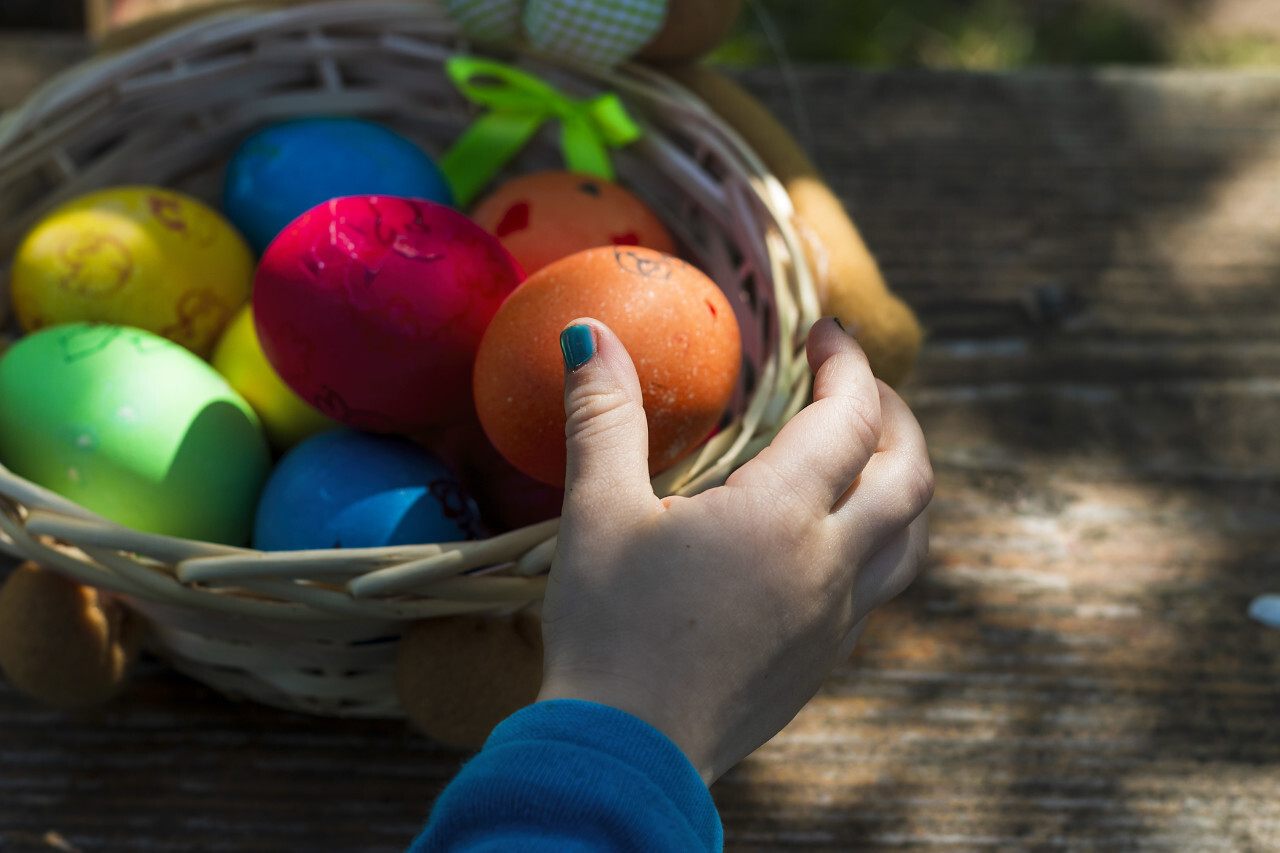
<point x="1097" y="258"/>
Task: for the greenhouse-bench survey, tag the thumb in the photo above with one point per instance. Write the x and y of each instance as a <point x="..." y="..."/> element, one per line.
<point x="606" y="436"/>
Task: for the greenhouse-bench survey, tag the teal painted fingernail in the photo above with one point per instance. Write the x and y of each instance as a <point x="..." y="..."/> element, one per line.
<point x="577" y="346"/>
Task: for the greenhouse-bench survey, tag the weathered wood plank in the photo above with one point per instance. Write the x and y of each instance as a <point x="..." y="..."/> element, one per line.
<point x="1114" y="204"/>
<point x="1072" y="673"/>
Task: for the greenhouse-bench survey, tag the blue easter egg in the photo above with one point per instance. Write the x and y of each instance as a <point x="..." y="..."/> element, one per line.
<point x="349" y="489"/>
<point x="283" y="171"/>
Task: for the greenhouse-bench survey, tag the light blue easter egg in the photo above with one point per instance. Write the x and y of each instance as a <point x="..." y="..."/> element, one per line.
<point x="286" y="169"/>
<point x="350" y="489"/>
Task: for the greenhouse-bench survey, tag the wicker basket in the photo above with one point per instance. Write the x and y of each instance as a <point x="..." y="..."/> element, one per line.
<point x="317" y="631"/>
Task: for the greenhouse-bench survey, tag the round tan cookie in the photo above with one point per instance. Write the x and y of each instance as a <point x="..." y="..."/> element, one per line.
<point x="459" y="676"/>
<point x="65" y="645"/>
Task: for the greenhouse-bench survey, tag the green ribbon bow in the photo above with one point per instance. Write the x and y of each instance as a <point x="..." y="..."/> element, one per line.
<point x="519" y="104"/>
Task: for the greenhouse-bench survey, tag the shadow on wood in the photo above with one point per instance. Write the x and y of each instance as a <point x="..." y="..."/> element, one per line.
<point x="1097" y="258"/>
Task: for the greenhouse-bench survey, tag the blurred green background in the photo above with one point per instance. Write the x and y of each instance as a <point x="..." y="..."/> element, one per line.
<point x="1002" y="34"/>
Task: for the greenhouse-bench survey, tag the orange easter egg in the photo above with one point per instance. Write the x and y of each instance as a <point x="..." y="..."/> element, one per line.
<point x="545" y="216"/>
<point x="675" y="322"/>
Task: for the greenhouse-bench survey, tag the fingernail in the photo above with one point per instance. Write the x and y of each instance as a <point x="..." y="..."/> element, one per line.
<point x="577" y="345"/>
<point x="851" y="331"/>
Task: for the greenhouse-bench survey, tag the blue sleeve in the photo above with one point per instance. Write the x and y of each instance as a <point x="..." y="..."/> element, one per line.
<point x="574" y="777"/>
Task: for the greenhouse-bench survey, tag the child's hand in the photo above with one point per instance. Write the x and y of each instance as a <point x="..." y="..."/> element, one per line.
<point x="715" y="618"/>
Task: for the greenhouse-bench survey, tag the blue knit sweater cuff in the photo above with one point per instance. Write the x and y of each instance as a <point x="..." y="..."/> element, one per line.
<point x="570" y="775"/>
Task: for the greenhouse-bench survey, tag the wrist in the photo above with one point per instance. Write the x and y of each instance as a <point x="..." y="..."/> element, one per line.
<point x="636" y="699"/>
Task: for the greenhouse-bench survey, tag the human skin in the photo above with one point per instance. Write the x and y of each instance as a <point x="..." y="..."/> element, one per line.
<point x="716" y="617"/>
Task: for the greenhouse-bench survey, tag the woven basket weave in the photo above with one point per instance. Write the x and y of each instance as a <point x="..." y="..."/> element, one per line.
<point x="316" y="631"/>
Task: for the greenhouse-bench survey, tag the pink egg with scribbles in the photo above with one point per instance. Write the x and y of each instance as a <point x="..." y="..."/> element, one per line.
<point x="372" y="308"/>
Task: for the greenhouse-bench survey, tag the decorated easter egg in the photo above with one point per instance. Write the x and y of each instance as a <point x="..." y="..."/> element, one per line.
<point x="350" y="489"/>
<point x="136" y="256"/>
<point x="677" y="325"/>
<point x="545" y="216"/>
<point x="371" y="309"/>
<point x="286" y="169"/>
<point x="507" y="497"/>
<point x="133" y="427"/>
<point x="510" y="499"/>
<point x="286" y="417"/>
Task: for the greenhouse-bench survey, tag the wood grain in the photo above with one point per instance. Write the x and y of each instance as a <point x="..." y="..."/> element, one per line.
<point x="1096" y="256"/>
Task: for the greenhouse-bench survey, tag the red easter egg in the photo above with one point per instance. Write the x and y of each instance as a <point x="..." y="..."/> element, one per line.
<point x="508" y="498"/>
<point x="546" y="216"/>
<point x="372" y="307"/>
<point x="677" y="325"/>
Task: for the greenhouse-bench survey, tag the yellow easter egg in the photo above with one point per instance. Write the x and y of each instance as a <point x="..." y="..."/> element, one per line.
<point x="285" y="416"/>
<point x="136" y="256"/>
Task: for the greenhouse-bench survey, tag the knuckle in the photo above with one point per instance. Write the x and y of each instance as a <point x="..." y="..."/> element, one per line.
<point x="912" y="493"/>
<point x="862" y="418"/>
<point x="789" y="491"/>
<point x="920" y="485"/>
<point x="594" y="410"/>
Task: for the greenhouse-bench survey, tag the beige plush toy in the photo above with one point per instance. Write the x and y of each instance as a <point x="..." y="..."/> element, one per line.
<point x="848" y="279"/>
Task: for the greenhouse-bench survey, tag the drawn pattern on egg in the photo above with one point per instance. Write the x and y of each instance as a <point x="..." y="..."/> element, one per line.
<point x="85" y="341"/>
<point x="98" y="265"/>
<point x="331" y="403"/>
<point x="200" y="315"/>
<point x="645" y="265"/>
<point x="398" y="228"/>
<point x="515" y="219"/>
<point x="545" y="216"/>
<point x="391" y="225"/>
<point x="177" y="217"/>
<point x="457" y="506"/>
<point x="144" y="343"/>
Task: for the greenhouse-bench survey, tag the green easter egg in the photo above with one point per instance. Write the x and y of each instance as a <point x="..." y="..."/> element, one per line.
<point x="133" y="427"/>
